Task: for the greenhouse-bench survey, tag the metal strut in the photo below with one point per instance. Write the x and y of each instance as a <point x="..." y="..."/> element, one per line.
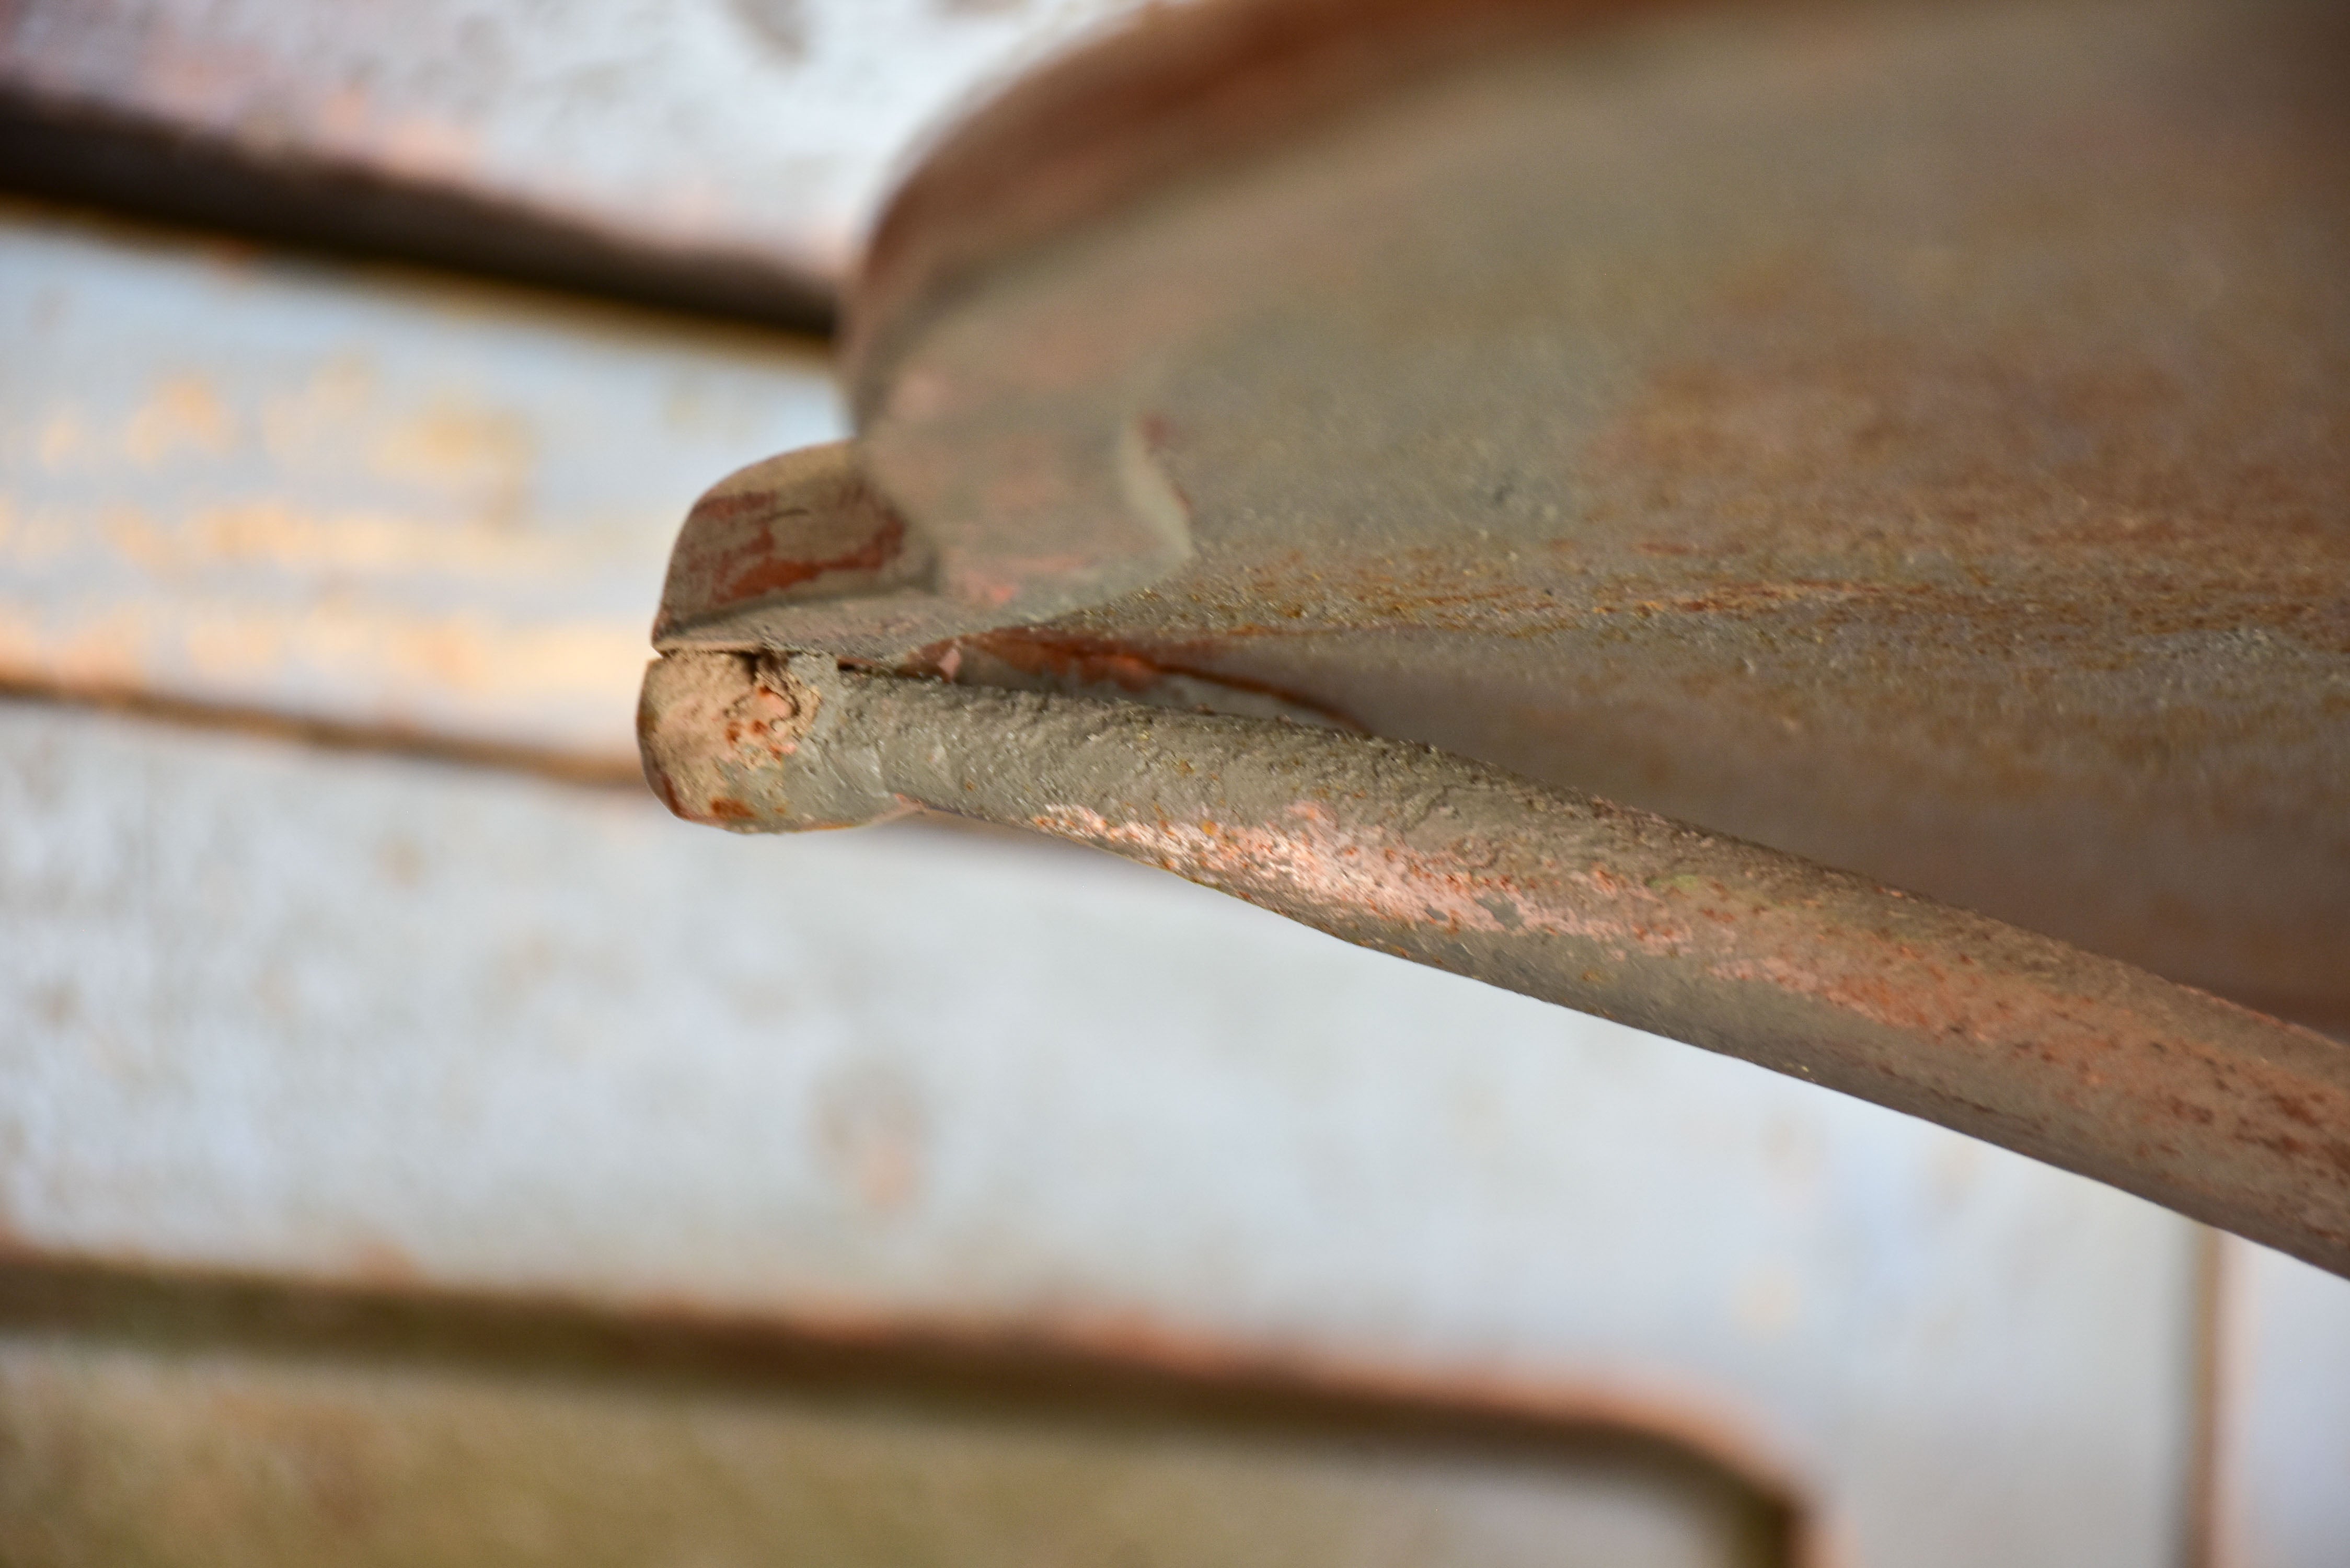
<point x="2089" y="1063"/>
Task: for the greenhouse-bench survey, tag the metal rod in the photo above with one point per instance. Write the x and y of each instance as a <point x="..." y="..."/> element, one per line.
<point x="2197" y="1104"/>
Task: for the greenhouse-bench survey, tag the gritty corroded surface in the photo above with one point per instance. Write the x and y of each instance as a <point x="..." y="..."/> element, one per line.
<point x="2079" y="1059"/>
<point x="1912" y="437"/>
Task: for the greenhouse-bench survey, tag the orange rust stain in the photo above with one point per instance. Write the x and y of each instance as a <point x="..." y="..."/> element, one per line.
<point x="1077" y="659"/>
<point x="2294" y="1109"/>
<point x="1312" y="857"/>
<point x="738" y="504"/>
<point x="1359" y="874"/>
<point x="723" y="809"/>
<point x="666" y="788"/>
<point x="1088" y="661"/>
<point x="772" y="575"/>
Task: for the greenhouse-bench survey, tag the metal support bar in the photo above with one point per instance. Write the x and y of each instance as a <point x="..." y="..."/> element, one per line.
<point x="2089" y="1063"/>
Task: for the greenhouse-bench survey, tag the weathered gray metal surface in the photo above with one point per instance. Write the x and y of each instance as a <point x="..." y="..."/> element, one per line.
<point x="724" y="152"/>
<point x="1810" y="425"/>
<point x="2198" y="1104"/>
<point x="1909" y="437"/>
<point x="372" y="1021"/>
<point x="387" y="503"/>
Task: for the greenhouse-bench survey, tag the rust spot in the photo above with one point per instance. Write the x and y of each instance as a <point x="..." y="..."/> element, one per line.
<point x="807" y="518"/>
<point x="772" y="575"/>
<point x="2292" y="1107"/>
<point x="723" y="809"/>
<point x="734" y="506"/>
<point x="2188" y="1111"/>
<point x="1074" y="660"/>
